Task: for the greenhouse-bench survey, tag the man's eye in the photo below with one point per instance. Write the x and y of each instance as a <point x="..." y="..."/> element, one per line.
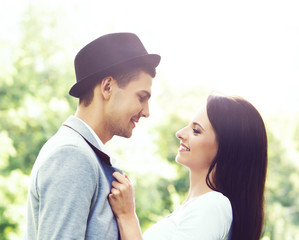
<point x="142" y="99"/>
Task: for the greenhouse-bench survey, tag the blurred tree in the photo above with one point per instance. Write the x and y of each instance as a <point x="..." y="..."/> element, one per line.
<point x="33" y="104"/>
<point x="282" y="189"/>
<point x="153" y="199"/>
<point x="296" y="135"/>
<point x="168" y="147"/>
<point x="13" y="192"/>
<point x="34" y="94"/>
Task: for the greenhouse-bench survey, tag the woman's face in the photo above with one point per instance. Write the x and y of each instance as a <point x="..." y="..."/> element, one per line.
<point x="198" y="144"/>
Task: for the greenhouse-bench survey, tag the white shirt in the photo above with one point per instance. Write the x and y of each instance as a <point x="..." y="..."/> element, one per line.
<point x="102" y="146"/>
<point x="206" y="217"/>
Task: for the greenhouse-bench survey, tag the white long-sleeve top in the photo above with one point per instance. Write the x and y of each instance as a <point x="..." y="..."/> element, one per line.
<point x="206" y="217"/>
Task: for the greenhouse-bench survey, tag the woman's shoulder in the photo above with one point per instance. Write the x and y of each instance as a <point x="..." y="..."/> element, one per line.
<point x="208" y="216"/>
<point x="214" y="197"/>
<point x="213" y="203"/>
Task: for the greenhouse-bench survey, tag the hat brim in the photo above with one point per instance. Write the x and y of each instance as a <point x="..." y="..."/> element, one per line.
<point x="151" y="60"/>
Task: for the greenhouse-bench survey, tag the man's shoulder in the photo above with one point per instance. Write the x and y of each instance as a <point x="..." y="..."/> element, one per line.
<point x="66" y="137"/>
<point x="66" y="144"/>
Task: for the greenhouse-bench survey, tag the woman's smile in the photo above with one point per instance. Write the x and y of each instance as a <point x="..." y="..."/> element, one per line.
<point x="184" y="148"/>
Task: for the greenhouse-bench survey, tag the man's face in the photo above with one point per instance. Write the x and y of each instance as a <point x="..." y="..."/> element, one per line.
<point x="127" y="105"/>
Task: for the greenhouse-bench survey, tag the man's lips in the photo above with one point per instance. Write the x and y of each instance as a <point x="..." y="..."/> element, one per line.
<point x="184" y="148"/>
<point x="134" y="121"/>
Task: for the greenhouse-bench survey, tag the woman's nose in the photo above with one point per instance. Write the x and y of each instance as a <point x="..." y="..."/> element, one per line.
<point x="180" y="134"/>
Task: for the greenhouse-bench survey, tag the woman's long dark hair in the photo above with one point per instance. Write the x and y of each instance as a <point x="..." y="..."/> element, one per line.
<point x="239" y="168"/>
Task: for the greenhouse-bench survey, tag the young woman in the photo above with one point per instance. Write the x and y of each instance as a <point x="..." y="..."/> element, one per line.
<point x="225" y="149"/>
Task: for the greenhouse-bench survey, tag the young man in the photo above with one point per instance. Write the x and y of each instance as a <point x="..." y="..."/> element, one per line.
<point x="72" y="176"/>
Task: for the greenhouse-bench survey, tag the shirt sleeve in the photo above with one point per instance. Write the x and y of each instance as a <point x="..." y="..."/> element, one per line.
<point x="66" y="183"/>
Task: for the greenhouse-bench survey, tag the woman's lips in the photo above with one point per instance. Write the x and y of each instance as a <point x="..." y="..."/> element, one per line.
<point x="184" y="148"/>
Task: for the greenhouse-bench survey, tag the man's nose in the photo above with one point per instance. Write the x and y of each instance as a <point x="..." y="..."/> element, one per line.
<point x="145" y="111"/>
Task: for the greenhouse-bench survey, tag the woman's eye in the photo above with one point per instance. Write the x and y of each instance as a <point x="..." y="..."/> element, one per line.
<point x="196" y="131"/>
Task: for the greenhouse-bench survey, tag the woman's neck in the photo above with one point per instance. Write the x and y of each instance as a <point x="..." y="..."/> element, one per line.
<point x="198" y="185"/>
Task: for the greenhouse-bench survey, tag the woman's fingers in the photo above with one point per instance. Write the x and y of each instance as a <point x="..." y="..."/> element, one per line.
<point x="116" y="185"/>
<point x="121" y="197"/>
<point x="121" y="178"/>
<point x="122" y="188"/>
<point x="115" y="191"/>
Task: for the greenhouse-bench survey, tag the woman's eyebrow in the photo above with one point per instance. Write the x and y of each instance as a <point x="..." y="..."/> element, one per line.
<point x="197" y="124"/>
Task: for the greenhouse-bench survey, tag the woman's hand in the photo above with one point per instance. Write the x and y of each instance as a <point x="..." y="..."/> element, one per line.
<point x="121" y="197"/>
<point x="122" y="203"/>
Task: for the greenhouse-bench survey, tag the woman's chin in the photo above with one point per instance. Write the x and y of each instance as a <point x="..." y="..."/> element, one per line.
<point x="178" y="159"/>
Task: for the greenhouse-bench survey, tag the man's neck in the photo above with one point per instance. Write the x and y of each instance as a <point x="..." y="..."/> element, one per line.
<point x="96" y="123"/>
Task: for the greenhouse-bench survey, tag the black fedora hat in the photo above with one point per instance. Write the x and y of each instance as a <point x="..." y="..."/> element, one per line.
<point x="108" y="52"/>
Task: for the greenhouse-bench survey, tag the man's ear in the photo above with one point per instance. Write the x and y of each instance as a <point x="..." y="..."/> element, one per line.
<point x="106" y="87"/>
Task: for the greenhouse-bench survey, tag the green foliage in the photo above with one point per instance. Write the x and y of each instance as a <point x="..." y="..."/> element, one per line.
<point x="282" y="188"/>
<point x="34" y="102"/>
<point x="166" y="139"/>
<point x="12" y="208"/>
<point x="168" y="146"/>
<point x="296" y="136"/>
<point x="156" y="195"/>
<point x="33" y="94"/>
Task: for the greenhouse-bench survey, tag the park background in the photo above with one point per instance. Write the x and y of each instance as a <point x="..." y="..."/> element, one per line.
<point x="246" y="48"/>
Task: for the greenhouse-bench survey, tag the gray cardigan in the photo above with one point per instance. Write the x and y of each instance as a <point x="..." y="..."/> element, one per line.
<point x="68" y="189"/>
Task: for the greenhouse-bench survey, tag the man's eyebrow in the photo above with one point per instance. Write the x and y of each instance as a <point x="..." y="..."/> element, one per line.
<point x="197" y="124"/>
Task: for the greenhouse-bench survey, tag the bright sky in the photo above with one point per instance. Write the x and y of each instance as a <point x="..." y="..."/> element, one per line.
<point x="248" y="48"/>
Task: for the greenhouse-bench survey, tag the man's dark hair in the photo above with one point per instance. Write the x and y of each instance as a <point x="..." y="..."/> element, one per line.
<point x="123" y="75"/>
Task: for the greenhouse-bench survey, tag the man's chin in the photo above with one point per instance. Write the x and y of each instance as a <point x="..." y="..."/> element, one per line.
<point x="125" y="134"/>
